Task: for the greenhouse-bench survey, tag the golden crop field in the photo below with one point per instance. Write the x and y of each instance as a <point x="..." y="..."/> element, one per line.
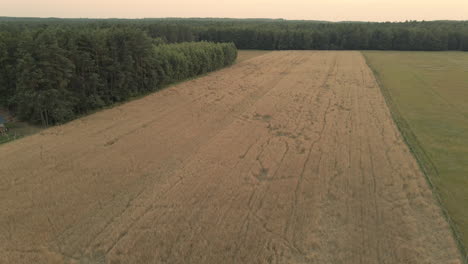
<point x="288" y="157"/>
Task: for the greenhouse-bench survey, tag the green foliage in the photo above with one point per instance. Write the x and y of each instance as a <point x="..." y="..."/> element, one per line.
<point x="52" y="74"/>
<point x="278" y="34"/>
<point x="192" y="59"/>
<point x="44" y="74"/>
<point x="301" y="35"/>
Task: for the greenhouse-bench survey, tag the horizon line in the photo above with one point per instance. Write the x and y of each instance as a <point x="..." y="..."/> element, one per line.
<point x="234" y="18"/>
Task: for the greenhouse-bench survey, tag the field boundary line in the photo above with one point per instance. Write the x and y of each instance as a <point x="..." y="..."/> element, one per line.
<point x="426" y="165"/>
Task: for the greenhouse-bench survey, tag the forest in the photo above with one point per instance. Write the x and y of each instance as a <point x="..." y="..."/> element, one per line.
<point x="316" y="35"/>
<point x="54" y="70"/>
<point x="278" y="34"/>
<point x="50" y="75"/>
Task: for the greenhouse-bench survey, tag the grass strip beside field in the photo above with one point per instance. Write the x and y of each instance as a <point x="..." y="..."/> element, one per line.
<point x="17" y="130"/>
<point x="427" y="93"/>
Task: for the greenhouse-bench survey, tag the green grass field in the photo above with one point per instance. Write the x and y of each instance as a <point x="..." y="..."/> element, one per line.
<point x="428" y="95"/>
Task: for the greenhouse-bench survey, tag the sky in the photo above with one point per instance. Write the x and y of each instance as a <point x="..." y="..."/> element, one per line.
<point x="330" y="10"/>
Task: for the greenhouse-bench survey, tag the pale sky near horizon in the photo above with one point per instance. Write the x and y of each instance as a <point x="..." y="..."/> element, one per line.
<point x="330" y="10"/>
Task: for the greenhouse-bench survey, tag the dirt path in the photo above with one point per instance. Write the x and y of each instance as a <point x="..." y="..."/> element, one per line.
<point x="290" y="157"/>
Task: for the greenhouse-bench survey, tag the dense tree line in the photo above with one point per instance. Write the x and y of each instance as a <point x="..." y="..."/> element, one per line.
<point x="428" y="36"/>
<point x="53" y="74"/>
<point x="272" y="34"/>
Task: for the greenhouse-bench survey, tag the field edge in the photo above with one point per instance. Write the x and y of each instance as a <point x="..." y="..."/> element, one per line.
<point x="427" y="167"/>
<point x="115" y="104"/>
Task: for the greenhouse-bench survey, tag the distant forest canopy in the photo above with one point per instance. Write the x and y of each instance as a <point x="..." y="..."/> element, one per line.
<point x="51" y="74"/>
<point x="279" y="34"/>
